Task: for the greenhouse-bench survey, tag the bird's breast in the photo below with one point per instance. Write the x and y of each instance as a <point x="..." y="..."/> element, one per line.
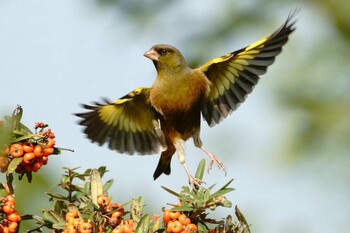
<point x="171" y="96"/>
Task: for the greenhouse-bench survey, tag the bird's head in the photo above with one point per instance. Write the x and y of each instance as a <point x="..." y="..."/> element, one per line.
<point x="166" y="57"/>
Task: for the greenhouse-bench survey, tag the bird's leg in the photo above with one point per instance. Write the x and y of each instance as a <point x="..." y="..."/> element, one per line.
<point x="213" y="159"/>
<point x="194" y="182"/>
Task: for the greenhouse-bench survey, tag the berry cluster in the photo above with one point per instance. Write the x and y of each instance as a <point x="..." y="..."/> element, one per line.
<point x="75" y="224"/>
<point x="176" y="221"/>
<point x="9" y="216"/>
<point x="114" y="212"/>
<point x="33" y="151"/>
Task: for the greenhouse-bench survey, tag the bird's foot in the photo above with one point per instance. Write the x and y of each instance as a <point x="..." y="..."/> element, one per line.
<point x="214" y="159"/>
<point x="194" y="182"/>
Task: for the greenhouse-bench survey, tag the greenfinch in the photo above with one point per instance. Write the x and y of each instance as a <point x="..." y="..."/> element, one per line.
<point x="161" y="118"/>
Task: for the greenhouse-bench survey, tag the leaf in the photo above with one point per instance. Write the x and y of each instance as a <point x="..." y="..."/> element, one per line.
<point x="107" y="185"/>
<point x="3" y="192"/>
<point x="52" y="216"/>
<point x="240" y="216"/>
<point x="200" y="170"/>
<point x="136" y="208"/>
<point x="16" y="117"/>
<point x="25" y="136"/>
<point x="223" y="190"/>
<point x="60" y="225"/>
<point x="171" y="191"/>
<point x="57" y="196"/>
<point x="202" y="228"/>
<point x="183" y="208"/>
<point x="143" y="225"/>
<point x="96" y="186"/>
<point x="102" y="170"/>
<point x="13" y="164"/>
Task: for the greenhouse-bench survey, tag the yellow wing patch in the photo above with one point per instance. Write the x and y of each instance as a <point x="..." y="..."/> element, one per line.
<point x="234" y="75"/>
<point x="129" y="124"/>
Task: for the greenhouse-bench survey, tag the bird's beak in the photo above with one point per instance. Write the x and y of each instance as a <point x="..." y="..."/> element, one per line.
<point x="152" y="54"/>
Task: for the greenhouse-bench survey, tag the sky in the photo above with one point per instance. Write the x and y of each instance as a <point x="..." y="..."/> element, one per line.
<point x="57" y="55"/>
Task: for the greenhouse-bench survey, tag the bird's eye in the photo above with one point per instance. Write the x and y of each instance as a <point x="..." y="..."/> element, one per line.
<point x="163" y="51"/>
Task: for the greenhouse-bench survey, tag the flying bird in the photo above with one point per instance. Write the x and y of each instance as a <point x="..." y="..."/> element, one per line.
<point x="160" y="118"/>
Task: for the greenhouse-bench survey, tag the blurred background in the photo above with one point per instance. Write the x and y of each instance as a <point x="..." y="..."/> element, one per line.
<point x="287" y="146"/>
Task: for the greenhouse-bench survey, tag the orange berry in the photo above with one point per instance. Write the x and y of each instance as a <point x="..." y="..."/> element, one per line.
<point x="176" y="226"/>
<point x="27" y="147"/>
<point x="113" y="222"/>
<point x="51" y="142"/>
<point x="8" y="208"/>
<point x="14" y="217"/>
<point x="174" y="214"/>
<point x="166" y="217"/>
<point x="5" y="230"/>
<point x="184" y="219"/>
<point x="128" y="226"/>
<point x="43" y="160"/>
<point x="103" y="200"/>
<point x="4" y="162"/>
<point x="118" y="214"/>
<point x="36" y="166"/>
<point x="48" y="151"/>
<point x="28" y="157"/>
<point x="78" y="221"/>
<point x="86" y="227"/>
<point x="6" y="151"/>
<point x="10" y="200"/>
<point x="192" y="227"/>
<point x="169" y="226"/>
<point x="71" y="213"/>
<point x="13" y="227"/>
<point x="70" y="229"/>
<point x="38" y="151"/>
<point x="16" y="150"/>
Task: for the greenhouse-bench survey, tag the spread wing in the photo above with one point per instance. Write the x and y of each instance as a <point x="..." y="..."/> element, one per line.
<point x="129" y="124"/>
<point x="234" y="75"/>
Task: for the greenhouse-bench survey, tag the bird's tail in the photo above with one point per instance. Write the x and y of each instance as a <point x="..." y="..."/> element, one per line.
<point x="164" y="163"/>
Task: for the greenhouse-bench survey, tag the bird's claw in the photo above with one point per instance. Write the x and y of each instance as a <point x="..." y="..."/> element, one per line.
<point x="216" y="160"/>
<point x="194" y="182"/>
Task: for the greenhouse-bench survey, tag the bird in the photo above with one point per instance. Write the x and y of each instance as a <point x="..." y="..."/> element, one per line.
<point x="161" y="118"/>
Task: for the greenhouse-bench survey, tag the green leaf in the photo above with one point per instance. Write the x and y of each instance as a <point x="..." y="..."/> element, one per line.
<point x="170" y="191"/>
<point x="202" y="228"/>
<point x="183" y="208"/>
<point x="60" y="225"/>
<point x="96" y="186"/>
<point x="13" y="164"/>
<point x="25" y="136"/>
<point x="3" y="192"/>
<point x="136" y="206"/>
<point x="57" y="196"/>
<point x="200" y="170"/>
<point x="241" y="217"/>
<point x="102" y="170"/>
<point x="143" y="225"/>
<point x="16" y="117"/>
<point x="220" y="192"/>
<point x="52" y="216"/>
<point x="107" y="185"/>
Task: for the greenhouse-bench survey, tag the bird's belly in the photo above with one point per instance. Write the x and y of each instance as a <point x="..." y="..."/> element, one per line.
<point x="175" y="99"/>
